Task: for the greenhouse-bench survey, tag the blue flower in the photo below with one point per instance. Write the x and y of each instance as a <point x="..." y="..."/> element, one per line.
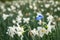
<point x="39" y="17"/>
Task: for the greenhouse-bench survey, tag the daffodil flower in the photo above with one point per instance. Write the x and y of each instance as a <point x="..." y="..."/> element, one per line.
<point x="26" y="20"/>
<point x="41" y="31"/>
<point x="50" y="18"/>
<point x="5" y="16"/>
<point x="34" y="32"/>
<point x="15" y="30"/>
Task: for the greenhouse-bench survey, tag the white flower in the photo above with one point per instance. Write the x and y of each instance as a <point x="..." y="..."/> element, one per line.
<point x="14" y="21"/>
<point x="20" y="13"/>
<point x="18" y="19"/>
<point x="47" y="14"/>
<point x="41" y="5"/>
<point x="56" y="2"/>
<point x="34" y="32"/>
<point x="15" y="30"/>
<point x="55" y="10"/>
<point x="5" y="16"/>
<point x="22" y="3"/>
<point x="35" y="7"/>
<point x="2" y="7"/>
<point x="58" y="8"/>
<point x="50" y="18"/>
<point x="41" y="31"/>
<point x="52" y="2"/>
<point x="39" y="13"/>
<point x="39" y="28"/>
<point x="9" y="9"/>
<point x="31" y="6"/>
<point x="13" y="7"/>
<point x="22" y="37"/>
<point x="44" y="23"/>
<point x="11" y="31"/>
<point x="47" y="5"/>
<point x="39" y="1"/>
<point x="42" y="10"/>
<point x="50" y="27"/>
<point x="34" y="4"/>
<point x="17" y="5"/>
<point x="19" y="31"/>
<point x="26" y="20"/>
<point x="40" y="22"/>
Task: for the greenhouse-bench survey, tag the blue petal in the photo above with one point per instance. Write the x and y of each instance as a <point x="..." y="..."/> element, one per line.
<point x="38" y="18"/>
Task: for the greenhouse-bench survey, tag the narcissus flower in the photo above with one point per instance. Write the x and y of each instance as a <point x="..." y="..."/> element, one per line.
<point x="26" y="20"/>
<point x="18" y="19"/>
<point x="41" y="31"/>
<point x="15" y="30"/>
<point x="9" y="9"/>
<point x="47" y="5"/>
<point x="13" y="7"/>
<point x="50" y="18"/>
<point x="40" y="22"/>
<point x="5" y="16"/>
<point x="34" y="32"/>
<point x="20" y="13"/>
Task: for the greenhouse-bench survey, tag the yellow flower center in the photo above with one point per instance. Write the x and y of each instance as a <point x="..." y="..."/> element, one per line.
<point x="42" y="30"/>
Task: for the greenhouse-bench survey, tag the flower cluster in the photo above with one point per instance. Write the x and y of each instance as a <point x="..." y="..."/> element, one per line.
<point x="36" y="17"/>
<point x="40" y="31"/>
<point x="11" y="31"/>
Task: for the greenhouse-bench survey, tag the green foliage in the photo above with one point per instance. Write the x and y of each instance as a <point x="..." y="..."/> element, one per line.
<point x="5" y="0"/>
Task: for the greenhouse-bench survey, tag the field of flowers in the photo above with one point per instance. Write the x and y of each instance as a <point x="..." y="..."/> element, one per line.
<point x="30" y="20"/>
